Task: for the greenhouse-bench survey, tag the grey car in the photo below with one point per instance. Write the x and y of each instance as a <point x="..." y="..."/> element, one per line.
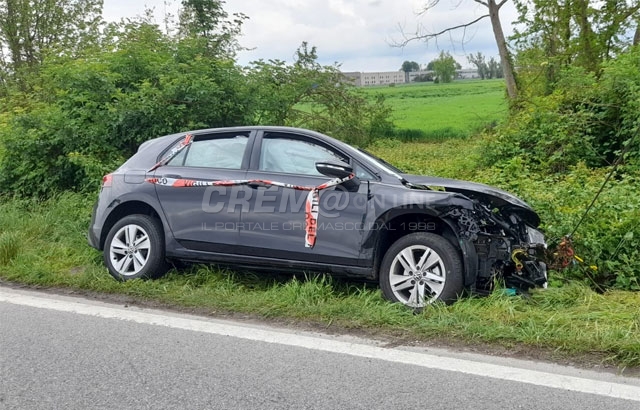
<point x="280" y="198"/>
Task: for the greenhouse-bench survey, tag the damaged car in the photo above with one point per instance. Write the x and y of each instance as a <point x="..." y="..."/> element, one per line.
<point x="288" y="199"/>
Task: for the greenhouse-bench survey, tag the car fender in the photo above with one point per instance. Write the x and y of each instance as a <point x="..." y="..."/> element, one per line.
<point x="434" y="205"/>
<point x="146" y="198"/>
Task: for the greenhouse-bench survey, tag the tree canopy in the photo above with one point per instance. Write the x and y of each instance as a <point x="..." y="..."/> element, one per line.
<point x="445" y="67"/>
<point x="409" y="66"/>
<point x="29" y="29"/>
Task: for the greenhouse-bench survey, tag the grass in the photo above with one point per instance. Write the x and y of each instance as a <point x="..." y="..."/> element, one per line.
<point x="43" y="244"/>
<point x="443" y="110"/>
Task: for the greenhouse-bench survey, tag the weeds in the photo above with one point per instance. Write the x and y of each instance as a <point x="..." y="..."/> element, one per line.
<point x="10" y="244"/>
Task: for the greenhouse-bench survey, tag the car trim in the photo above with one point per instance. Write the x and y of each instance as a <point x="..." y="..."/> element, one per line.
<point x="291" y="256"/>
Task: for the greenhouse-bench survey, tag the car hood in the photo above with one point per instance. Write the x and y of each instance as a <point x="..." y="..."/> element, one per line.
<point x="490" y="196"/>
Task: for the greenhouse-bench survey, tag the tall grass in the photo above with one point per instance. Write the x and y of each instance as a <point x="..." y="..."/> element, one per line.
<point x="10" y="244"/>
<point x="567" y="321"/>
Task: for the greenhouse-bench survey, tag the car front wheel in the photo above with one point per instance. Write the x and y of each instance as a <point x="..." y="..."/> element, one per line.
<point x="135" y="248"/>
<point x="421" y="268"/>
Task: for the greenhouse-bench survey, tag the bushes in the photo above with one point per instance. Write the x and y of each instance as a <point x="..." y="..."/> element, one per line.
<point x="607" y="240"/>
<point x="556" y="152"/>
<point x="87" y="115"/>
<point x="307" y="94"/>
<point x="586" y="119"/>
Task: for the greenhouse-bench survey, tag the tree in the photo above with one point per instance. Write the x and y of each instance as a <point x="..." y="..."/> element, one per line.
<point x="88" y="114"/>
<point x="494" y="68"/>
<point x="409" y="66"/>
<point x="493" y="13"/>
<point x="481" y="65"/>
<point x="208" y="22"/>
<point x="29" y="29"/>
<point x="310" y="95"/>
<point x="445" y="67"/>
<point x="568" y="33"/>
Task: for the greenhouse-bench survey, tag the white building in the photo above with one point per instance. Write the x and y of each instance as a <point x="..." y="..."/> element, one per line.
<point x="379" y="78"/>
<point x="398" y="77"/>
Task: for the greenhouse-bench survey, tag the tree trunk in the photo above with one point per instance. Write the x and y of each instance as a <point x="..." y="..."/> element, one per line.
<point x="636" y="37"/>
<point x="587" y="57"/>
<point x="505" y="56"/>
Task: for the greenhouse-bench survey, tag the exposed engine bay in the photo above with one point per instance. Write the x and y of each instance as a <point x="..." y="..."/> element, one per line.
<point x="507" y="248"/>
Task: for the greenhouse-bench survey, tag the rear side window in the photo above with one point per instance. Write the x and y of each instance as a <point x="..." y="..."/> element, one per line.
<point x="220" y="151"/>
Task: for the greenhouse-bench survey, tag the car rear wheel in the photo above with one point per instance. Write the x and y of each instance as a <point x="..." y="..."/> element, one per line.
<point x="135" y="248"/>
<point x="421" y="268"/>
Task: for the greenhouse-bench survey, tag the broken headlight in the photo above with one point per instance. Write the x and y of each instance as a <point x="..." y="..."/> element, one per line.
<point x="535" y="237"/>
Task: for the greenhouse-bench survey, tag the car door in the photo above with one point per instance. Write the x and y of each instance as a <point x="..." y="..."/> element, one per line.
<point x="205" y="217"/>
<point x="275" y="224"/>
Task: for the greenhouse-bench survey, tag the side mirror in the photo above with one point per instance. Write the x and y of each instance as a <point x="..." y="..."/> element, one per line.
<point x="334" y="169"/>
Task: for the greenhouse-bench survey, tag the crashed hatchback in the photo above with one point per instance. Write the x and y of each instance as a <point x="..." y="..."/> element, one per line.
<point x="281" y="198"/>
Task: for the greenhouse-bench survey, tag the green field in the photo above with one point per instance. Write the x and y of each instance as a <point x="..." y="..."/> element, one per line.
<point x="461" y="107"/>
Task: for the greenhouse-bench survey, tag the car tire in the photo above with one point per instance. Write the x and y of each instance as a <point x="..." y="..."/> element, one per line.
<point x="134" y="248"/>
<point x="403" y="280"/>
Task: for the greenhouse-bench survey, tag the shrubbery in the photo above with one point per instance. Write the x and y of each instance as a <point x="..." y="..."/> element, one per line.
<point x="557" y="150"/>
<point x="84" y="115"/>
<point x="587" y="118"/>
<point x="309" y="95"/>
<point x="608" y="240"/>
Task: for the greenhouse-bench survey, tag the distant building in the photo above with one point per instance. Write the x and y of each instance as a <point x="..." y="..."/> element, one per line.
<point x="383" y="78"/>
<point x="398" y="77"/>
<point x="467" y="73"/>
<point x="379" y="78"/>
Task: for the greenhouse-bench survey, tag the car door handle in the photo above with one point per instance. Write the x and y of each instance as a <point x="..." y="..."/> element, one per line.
<point x="175" y="176"/>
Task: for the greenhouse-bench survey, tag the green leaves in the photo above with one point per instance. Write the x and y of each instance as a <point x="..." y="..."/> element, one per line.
<point x="88" y="114"/>
<point x="309" y="95"/>
<point x="586" y="119"/>
<point x="445" y="67"/>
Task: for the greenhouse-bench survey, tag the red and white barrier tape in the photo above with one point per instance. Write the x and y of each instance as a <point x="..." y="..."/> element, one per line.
<point x="313" y="199"/>
<point x="312" y="203"/>
<point x="183" y="144"/>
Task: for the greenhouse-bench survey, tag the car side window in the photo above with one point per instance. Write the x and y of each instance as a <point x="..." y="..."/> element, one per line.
<point x="293" y="156"/>
<point x="362" y="173"/>
<point x="219" y="152"/>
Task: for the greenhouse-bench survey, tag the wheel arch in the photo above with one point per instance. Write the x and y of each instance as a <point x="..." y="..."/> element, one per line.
<point x="130" y="207"/>
<point x="397" y="222"/>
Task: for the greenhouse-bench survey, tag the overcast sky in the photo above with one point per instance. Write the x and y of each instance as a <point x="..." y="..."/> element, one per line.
<point x="355" y="33"/>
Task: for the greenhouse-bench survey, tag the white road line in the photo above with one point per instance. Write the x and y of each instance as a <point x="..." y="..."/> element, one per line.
<point x="539" y="378"/>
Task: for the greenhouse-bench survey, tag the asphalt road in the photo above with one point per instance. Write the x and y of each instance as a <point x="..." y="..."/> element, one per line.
<point x="70" y="353"/>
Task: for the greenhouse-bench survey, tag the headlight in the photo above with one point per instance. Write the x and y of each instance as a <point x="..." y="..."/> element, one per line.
<point x="535" y="237"/>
